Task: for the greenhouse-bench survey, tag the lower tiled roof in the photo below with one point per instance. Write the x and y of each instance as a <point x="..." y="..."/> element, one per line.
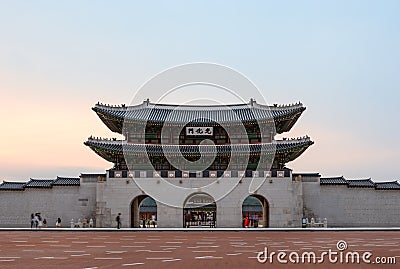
<point x="93" y="174"/>
<point x="39" y="183"/>
<point x="67" y="181"/>
<point x="120" y="146"/>
<point x="360" y="183"/>
<point x="12" y="186"/>
<point x="333" y="181"/>
<point x="393" y="185"/>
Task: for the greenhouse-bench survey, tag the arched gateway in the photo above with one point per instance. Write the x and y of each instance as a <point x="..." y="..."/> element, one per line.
<point x="200" y="210"/>
<point x="255" y="212"/>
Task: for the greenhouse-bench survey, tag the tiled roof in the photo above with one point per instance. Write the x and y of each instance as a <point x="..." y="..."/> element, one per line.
<point x="39" y="183"/>
<point x="119" y="146"/>
<point x="67" y="181"/>
<point x="306" y="174"/>
<point x="199" y="113"/>
<point x="114" y="116"/>
<point x="393" y="185"/>
<point x="93" y="175"/>
<point x="12" y="186"/>
<point x="361" y="183"/>
<point x="333" y="181"/>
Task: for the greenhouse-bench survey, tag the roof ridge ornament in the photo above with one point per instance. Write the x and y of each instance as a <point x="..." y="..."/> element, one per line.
<point x="252" y="102"/>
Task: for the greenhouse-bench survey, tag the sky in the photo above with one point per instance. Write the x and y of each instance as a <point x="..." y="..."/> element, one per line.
<point x="341" y="59"/>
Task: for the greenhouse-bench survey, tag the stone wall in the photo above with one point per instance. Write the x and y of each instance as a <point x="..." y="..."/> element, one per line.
<point x="288" y="200"/>
<point x="65" y="202"/>
<point x="352" y="207"/>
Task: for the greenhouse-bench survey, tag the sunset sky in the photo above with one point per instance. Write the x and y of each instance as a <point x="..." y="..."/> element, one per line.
<point x="341" y="59"/>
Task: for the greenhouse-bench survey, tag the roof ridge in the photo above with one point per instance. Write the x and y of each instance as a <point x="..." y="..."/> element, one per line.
<point x="147" y="104"/>
<point x="58" y="177"/>
<point x="361" y="179"/>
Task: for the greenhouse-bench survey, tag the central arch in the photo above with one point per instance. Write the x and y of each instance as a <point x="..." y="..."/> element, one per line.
<point x="255" y="212"/>
<point x="199" y="210"/>
<point x="143" y="212"/>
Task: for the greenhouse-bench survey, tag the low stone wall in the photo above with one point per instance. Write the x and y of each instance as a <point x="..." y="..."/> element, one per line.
<point x="65" y="202"/>
<point x="352" y="207"/>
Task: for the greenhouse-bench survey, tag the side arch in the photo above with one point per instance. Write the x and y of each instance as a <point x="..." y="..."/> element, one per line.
<point x="255" y="211"/>
<point x="143" y="207"/>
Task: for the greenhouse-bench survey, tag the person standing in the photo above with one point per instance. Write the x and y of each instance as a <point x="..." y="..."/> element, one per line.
<point x="58" y="223"/>
<point x="32" y="220"/>
<point x="36" y="220"/>
<point x="246" y="222"/>
<point x="118" y="219"/>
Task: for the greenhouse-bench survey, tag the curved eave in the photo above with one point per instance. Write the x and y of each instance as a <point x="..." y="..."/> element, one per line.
<point x="106" y="154"/>
<point x="285" y="118"/>
<point x="114" y="123"/>
<point x="286" y="123"/>
<point x="294" y="153"/>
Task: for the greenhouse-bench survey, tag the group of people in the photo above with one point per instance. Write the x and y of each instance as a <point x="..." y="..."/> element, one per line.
<point x="149" y="222"/>
<point x="250" y="222"/>
<point x="38" y="222"/>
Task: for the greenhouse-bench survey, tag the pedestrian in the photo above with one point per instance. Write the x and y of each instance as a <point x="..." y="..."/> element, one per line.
<point x="40" y="222"/>
<point x="36" y="220"/>
<point x="144" y="222"/>
<point x="32" y="220"/>
<point x="44" y="223"/>
<point x="118" y="219"/>
<point x="58" y="223"/>
<point x="246" y="222"/>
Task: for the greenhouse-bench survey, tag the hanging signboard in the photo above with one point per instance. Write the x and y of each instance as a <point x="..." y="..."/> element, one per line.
<point x="199" y="131"/>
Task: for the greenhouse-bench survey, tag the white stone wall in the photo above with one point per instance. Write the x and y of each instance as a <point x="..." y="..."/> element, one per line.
<point x="352" y="207"/>
<point x="102" y="201"/>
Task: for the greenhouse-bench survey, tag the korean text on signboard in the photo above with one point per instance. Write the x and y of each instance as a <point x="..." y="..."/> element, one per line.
<point x="199" y="131"/>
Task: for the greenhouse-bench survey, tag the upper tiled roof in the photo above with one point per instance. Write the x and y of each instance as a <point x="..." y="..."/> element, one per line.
<point x="200" y="114"/>
<point x="393" y="185"/>
<point x="333" y="181"/>
<point x="39" y="183"/>
<point x="67" y="181"/>
<point x="12" y="186"/>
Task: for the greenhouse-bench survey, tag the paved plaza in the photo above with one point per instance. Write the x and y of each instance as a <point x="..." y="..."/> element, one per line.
<point x="185" y="249"/>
